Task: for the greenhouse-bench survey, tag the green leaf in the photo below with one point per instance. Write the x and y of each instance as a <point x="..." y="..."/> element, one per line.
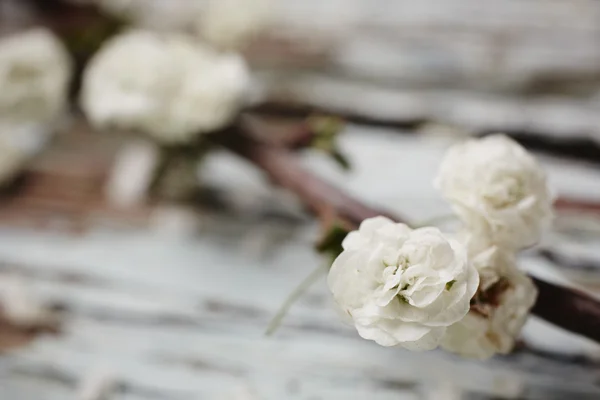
<point x="341" y="160"/>
<point x="450" y="284"/>
<point x="331" y="242"/>
<point x="326" y="130"/>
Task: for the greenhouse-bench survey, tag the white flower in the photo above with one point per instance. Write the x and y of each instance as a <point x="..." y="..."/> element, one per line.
<point x="402" y="286"/>
<point x="497" y="187"/>
<point x="34" y="75"/>
<point x="165" y="85"/>
<point x="495" y="320"/>
<point x="35" y="70"/>
<point x="231" y="23"/>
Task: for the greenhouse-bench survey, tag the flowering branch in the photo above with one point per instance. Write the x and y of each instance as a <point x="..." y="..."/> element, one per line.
<point x="300" y="135"/>
<point x="568" y="309"/>
<point x="454" y="288"/>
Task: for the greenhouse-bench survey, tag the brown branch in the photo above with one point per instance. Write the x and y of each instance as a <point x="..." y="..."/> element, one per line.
<point x="285" y="170"/>
<point x="569" y="204"/>
<point x="568" y="309"/>
<point x="291" y="134"/>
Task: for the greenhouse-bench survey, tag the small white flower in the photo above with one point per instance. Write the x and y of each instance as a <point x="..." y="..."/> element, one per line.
<point x="34" y="75"/>
<point x="165" y="85"/>
<point x="497" y="188"/>
<point x="496" y="318"/>
<point x="402" y="286"/>
<point x="231" y="23"/>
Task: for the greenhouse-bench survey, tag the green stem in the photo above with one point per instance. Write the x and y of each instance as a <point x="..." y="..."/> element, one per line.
<point x="275" y="322"/>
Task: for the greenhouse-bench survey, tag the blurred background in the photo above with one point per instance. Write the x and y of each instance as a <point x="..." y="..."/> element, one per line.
<point x="118" y="282"/>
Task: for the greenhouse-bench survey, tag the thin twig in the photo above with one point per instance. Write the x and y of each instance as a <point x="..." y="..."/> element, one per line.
<point x="294" y="296"/>
<point x="569" y="204"/>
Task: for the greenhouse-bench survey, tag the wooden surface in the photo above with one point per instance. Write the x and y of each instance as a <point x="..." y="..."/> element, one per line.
<point x="520" y="65"/>
<point x="165" y="314"/>
<point x="165" y="301"/>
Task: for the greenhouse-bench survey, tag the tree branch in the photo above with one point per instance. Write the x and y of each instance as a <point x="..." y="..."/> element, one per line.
<point x="570" y="310"/>
<point x="285" y="170"/>
<point x="569" y="204"/>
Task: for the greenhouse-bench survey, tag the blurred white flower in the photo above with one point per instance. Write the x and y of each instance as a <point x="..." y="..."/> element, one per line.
<point x="498" y="189"/>
<point x="231" y="23"/>
<point x="496" y="318"/>
<point x="34" y="75"/>
<point x="402" y="286"/>
<point x="20" y="306"/>
<point x="165" y="85"/>
<point x="35" y="70"/>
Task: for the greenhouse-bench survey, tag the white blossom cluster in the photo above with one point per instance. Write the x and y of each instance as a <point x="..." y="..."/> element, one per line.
<point x="420" y="289"/>
<point x="167" y="85"/>
<point x="402" y="286"/>
<point x="35" y="71"/>
<point x="175" y="77"/>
